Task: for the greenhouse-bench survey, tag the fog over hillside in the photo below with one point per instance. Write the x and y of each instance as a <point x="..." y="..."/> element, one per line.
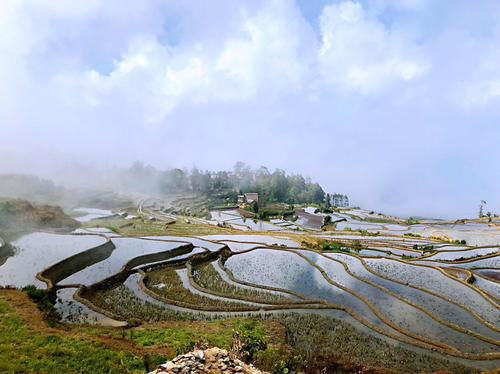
<point x="395" y="103"/>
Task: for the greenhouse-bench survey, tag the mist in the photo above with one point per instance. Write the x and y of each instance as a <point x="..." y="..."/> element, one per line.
<point x="395" y="104"/>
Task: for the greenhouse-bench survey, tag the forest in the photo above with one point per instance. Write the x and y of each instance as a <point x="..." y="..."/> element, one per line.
<point x="274" y="186"/>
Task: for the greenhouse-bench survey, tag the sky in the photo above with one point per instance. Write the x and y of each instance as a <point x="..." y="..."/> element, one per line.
<point x="393" y="102"/>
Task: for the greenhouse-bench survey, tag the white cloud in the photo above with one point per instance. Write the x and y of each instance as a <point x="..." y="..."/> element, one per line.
<point x="163" y="81"/>
<point x="360" y="54"/>
<point x="266" y="56"/>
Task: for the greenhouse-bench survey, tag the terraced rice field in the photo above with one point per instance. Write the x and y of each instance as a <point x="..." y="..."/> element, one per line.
<point x="36" y="251"/>
<point x="463" y="254"/>
<point x="111" y="279"/>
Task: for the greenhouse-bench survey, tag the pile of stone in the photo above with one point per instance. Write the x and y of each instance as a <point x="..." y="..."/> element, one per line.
<point x="210" y="361"/>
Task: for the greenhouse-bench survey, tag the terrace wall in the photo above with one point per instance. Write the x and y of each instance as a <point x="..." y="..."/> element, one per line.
<point x="70" y="265"/>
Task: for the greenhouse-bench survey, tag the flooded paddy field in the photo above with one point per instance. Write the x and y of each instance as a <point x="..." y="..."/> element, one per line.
<point x="254" y="268"/>
<point x="34" y="252"/>
<point x="433" y="280"/>
<point x="87" y="214"/>
<point x="463" y="254"/>
<point x="490" y="273"/>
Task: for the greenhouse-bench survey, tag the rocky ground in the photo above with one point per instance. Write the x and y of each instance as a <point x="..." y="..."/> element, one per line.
<point x="210" y="361"/>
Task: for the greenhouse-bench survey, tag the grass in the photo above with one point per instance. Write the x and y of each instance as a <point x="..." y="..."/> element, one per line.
<point x="174" y="290"/>
<point x="330" y="245"/>
<point x="381" y="220"/>
<point x="122" y="301"/>
<point x="22" y="350"/>
<point x="27" y="345"/>
<point x="42" y="300"/>
<point x="411" y="235"/>
<point x="143" y="226"/>
<point x="280" y="342"/>
<point x="208" y="277"/>
<point x="182" y="336"/>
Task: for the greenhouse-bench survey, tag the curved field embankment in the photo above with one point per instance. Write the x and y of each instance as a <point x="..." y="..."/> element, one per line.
<point x="70" y="265"/>
<point x="432" y="315"/>
<point x="229" y="299"/>
<point x="423" y="289"/>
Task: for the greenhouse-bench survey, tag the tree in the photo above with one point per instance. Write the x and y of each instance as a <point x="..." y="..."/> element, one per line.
<point x="481" y="208"/>
<point x="327" y="200"/>
<point x="317" y="194"/>
<point x="195" y="179"/>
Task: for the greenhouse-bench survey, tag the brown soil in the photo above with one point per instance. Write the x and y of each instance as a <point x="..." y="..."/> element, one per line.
<point x="29" y="312"/>
<point x="18" y="215"/>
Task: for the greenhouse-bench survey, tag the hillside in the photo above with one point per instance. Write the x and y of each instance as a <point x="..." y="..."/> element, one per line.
<point x="44" y="191"/>
<point x="18" y="216"/>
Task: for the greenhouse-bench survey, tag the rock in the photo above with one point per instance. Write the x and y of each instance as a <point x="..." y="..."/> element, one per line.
<point x="207" y="361"/>
<point x="200" y="355"/>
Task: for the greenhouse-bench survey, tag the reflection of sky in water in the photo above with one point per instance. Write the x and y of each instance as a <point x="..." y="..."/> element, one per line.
<point x="34" y="252"/>
<point x="92" y="213"/>
<point x="126" y="249"/>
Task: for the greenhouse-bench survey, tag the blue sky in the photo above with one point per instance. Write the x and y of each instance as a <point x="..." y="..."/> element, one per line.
<point x="396" y="103"/>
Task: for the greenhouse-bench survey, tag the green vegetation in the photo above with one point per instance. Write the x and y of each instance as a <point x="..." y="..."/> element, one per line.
<point x="368" y="233"/>
<point x="253" y="336"/>
<point x="411" y="235"/>
<point x="327" y="342"/>
<point x="271" y="187"/>
<point x="381" y="220"/>
<point x="329" y="245"/>
<point x="174" y="290"/>
<point x="266" y="212"/>
<point x="122" y="302"/>
<point x="43" y="302"/>
<point x="144" y="226"/>
<point x="24" y="350"/>
<point x="182" y="336"/>
<point x="412" y="221"/>
<point x="363" y="231"/>
<point x="426" y="248"/>
<point x="208" y="277"/>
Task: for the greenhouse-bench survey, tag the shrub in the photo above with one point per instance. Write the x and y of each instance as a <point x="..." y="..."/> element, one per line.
<point x="42" y="300"/>
<point x="412" y="235"/>
<point x="253" y="336"/>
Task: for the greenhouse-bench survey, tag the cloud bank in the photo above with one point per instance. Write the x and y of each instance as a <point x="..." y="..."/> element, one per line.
<point x="395" y="103"/>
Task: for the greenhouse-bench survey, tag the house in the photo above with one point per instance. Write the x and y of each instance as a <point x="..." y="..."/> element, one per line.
<point x="248" y="199"/>
<point x="251" y="197"/>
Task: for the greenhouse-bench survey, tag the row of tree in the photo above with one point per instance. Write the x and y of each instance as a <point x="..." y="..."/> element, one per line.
<point x="271" y="187"/>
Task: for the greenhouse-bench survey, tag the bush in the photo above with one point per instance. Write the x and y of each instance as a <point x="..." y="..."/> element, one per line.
<point x="253" y="336"/>
<point x="43" y="302"/>
<point x="278" y="361"/>
<point x="412" y="235"/>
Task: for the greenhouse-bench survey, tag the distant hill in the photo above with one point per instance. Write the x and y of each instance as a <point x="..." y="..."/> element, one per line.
<point x="44" y="191"/>
<point x="18" y="216"/>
